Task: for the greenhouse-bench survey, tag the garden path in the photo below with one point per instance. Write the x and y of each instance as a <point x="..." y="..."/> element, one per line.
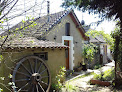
<point x="82" y="82"/>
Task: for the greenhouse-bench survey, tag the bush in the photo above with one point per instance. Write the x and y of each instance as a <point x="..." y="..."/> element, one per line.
<point x="60" y="78"/>
<point x="70" y="88"/>
<point x="108" y="75"/>
<point x="97" y="76"/>
<point x="97" y="66"/>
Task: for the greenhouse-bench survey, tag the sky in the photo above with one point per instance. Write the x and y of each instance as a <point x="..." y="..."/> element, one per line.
<point x="40" y="9"/>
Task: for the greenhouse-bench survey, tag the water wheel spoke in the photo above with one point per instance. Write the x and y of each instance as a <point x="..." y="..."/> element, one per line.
<point x="43" y="82"/>
<point x="35" y="65"/>
<point x="22" y="80"/>
<point x="31" y="74"/>
<point x="24" y="90"/>
<point x="23" y="87"/>
<point x="39" y="68"/>
<point x="31" y="66"/>
<point x="37" y="88"/>
<point x="41" y="87"/>
<point x="33" y="88"/>
<point x="29" y="87"/>
<point x="26" y="69"/>
<point x="23" y="73"/>
<point x="43" y="71"/>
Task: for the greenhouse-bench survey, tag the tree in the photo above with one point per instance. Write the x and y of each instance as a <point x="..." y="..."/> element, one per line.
<point x="10" y="12"/>
<point x="6" y="5"/>
<point x="115" y="33"/>
<point x="89" y="51"/>
<point x="105" y="8"/>
<point x="13" y="12"/>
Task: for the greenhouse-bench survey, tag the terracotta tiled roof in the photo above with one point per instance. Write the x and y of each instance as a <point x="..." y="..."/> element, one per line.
<point x="31" y="42"/>
<point x="47" y="25"/>
<point x="39" y="30"/>
<point x="43" y="25"/>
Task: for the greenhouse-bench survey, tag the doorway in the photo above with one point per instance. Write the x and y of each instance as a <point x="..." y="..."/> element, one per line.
<point x="66" y="42"/>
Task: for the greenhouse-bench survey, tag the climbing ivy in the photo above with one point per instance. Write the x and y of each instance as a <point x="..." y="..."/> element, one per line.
<point x="117" y="48"/>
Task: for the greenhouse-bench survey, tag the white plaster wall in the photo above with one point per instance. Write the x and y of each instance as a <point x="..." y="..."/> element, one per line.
<point x="102" y="52"/>
<point x="101" y="49"/>
<point x="109" y="52"/>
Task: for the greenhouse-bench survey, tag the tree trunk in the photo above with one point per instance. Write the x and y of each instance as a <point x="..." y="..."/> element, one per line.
<point x="118" y="53"/>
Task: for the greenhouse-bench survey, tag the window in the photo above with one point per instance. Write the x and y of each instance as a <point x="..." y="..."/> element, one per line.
<point x="67" y="29"/>
<point x="42" y="55"/>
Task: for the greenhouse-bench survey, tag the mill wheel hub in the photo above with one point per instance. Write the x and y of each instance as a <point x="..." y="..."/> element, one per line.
<point x="36" y="77"/>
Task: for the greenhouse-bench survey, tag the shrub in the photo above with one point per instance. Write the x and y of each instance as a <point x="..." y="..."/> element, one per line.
<point x="60" y="77"/>
<point x="108" y="75"/>
<point x="97" y="66"/>
<point x="97" y="76"/>
<point x="70" y="88"/>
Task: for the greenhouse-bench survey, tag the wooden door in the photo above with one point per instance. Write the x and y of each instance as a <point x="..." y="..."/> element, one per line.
<point x="66" y="42"/>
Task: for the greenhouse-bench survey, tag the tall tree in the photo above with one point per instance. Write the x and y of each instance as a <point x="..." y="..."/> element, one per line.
<point x="13" y="12"/>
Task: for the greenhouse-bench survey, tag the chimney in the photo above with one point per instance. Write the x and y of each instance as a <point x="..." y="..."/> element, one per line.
<point x="48" y="10"/>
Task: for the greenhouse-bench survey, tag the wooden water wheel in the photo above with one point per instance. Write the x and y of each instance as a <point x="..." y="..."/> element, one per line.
<point x="31" y="74"/>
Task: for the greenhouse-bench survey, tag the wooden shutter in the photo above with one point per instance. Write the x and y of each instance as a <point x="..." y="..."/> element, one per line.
<point x="67" y="29"/>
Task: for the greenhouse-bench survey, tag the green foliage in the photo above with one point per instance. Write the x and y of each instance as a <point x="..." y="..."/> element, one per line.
<point x="116" y="34"/>
<point x="10" y="76"/>
<point x="116" y="31"/>
<point x="60" y="77"/>
<point x="97" y="66"/>
<point x="89" y="51"/>
<point x="97" y="76"/>
<point x="87" y="74"/>
<point x="12" y="84"/>
<point x="108" y="38"/>
<point x="1" y="57"/>
<point x="70" y="88"/>
<point x="105" y="36"/>
<point x="108" y="75"/>
<point x="1" y="90"/>
<point x="104" y="8"/>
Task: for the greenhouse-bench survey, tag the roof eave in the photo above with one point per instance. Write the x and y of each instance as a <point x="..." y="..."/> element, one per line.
<point x="78" y="25"/>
